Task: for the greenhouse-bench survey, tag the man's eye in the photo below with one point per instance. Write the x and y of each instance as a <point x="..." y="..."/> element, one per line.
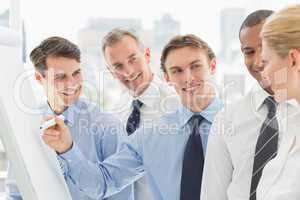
<point x="133" y="59"/>
<point x="59" y="78"/>
<point x="249" y="53"/>
<point x="76" y="73"/>
<point x="176" y="71"/>
<point x="117" y="67"/>
<point x="196" y="66"/>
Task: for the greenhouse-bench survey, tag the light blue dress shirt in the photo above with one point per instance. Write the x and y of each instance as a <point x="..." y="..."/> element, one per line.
<point x="96" y="134"/>
<point x="156" y="150"/>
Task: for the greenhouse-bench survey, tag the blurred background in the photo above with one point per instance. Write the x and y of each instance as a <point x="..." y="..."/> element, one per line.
<point x="85" y="22"/>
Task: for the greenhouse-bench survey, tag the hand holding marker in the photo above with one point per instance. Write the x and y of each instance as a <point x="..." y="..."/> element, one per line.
<point x="50" y="123"/>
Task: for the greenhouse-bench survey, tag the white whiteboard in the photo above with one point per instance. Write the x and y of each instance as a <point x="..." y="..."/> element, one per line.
<point x="34" y="165"/>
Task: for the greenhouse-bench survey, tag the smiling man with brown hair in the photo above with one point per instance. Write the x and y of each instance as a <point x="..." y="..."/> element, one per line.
<point x="57" y="69"/>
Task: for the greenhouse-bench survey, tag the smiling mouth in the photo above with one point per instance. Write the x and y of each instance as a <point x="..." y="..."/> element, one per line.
<point x="134" y="77"/>
<point x="257" y="71"/>
<point x="191" y="89"/>
<point x="70" y="92"/>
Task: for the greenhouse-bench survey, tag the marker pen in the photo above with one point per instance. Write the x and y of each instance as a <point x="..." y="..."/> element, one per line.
<point x="50" y="123"/>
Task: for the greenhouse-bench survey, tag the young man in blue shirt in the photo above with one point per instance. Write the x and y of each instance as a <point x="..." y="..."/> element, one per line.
<point x="171" y="150"/>
<point x="57" y="64"/>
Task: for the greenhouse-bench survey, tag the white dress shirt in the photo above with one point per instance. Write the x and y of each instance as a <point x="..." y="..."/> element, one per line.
<point x="158" y="99"/>
<point x="281" y="176"/>
<point x="231" y="147"/>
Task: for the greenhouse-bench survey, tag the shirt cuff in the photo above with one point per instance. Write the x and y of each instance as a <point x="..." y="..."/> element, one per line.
<point x="74" y="159"/>
<point x="63" y="165"/>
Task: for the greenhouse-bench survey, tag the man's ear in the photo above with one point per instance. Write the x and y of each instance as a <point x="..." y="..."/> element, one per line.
<point x="39" y="77"/>
<point x="166" y="76"/>
<point x="241" y="49"/>
<point x="213" y="66"/>
<point x="147" y="55"/>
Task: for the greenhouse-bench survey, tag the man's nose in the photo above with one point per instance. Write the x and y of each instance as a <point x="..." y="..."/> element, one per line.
<point x="71" y="81"/>
<point x="128" y="70"/>
<point x="188" y="76"/>
<point x="258" y="61"/>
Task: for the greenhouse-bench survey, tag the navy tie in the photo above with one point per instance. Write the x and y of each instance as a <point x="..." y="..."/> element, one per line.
<point x="193" y="160"/>
<point x="66" y="122"/>
<point x="133" y="121"/>
<point x="266" y="145"/>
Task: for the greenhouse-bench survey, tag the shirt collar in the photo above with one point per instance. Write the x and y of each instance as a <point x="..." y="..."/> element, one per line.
<point x="70" y="112"/>
<point x="258" y="96"/>
<point x="294" y="103"/>
<point x="208" y="113"/>
<point x="151" y="96"/>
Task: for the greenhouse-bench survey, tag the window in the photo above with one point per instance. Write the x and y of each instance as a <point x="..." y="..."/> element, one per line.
<point x="4" y="13"/>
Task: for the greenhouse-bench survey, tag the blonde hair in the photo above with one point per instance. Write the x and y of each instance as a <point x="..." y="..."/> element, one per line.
<point x="282" y="30"/>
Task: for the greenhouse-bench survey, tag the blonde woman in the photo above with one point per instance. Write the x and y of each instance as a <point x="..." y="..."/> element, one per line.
<point x="281" y="58"/>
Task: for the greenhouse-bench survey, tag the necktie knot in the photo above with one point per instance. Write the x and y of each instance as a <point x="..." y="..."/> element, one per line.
<point x="271" y="106"/>
<point x="137" y="104"/>
<point x="195" y="120"/>
<point x="66" y="122"/>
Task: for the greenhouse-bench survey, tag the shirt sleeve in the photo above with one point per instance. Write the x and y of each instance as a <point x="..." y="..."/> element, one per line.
<point x="103" y="179"/>
<point x="217" y="173"/>
<point x="11" y="189"/>
<point x="111" y="135"/>
<point x="63" y="166"/>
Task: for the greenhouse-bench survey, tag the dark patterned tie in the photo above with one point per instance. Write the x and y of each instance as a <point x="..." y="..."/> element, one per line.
<point x="133" y="121"/>
<point x="66" y="122"/>
<point x="193" y="161"/>
<point x="266" y="146"/>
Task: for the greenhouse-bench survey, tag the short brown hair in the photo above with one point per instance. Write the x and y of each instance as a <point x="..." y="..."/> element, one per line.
<point x="53" y="47"/>
<point x="181" y="41"/>
<point x="116" y="35"/>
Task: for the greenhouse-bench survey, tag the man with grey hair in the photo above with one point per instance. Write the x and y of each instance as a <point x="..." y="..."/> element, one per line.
<point x="149" y="97"/>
